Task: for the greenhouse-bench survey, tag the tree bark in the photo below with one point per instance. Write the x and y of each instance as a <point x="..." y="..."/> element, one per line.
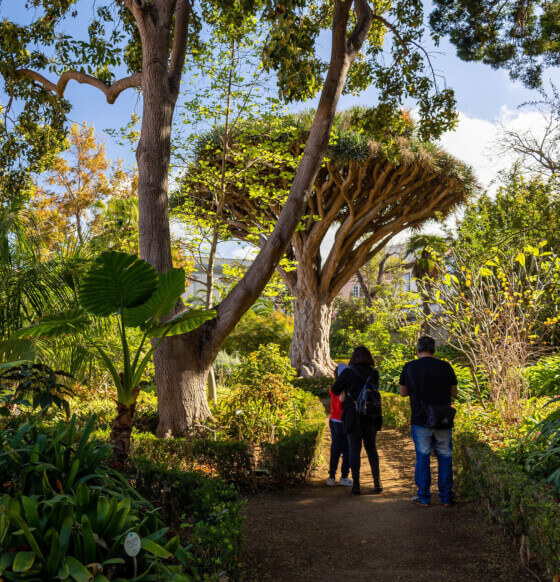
<point x="121" y="431"/>
<point x="310" y="347"/>
<point x="183" y="370"/>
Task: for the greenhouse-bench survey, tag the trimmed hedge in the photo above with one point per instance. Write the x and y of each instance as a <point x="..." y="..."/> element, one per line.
<point x="292" y="457"/>
<point x="524" y="507"/>
<point x="211" y="509"/>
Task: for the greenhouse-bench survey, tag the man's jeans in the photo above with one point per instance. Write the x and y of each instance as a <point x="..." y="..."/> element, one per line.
<point x="339" y="446"/>
<point x="440" y="440"/>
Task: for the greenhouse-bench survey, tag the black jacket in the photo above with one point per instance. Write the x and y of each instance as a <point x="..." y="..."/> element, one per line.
<point x="353" y="384"/>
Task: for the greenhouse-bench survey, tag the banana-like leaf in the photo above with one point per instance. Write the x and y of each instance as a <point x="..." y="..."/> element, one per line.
<point x="170" y="287"/>
<point x="63" y="323"/>
<point x="182" y="323"/>
<point x="117" y="280"/>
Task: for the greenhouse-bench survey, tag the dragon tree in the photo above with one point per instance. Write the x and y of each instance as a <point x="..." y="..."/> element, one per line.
<point x="370" y="188"/>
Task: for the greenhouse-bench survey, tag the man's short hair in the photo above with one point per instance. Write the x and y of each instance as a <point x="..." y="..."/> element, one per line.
<point x="426" y="344"/>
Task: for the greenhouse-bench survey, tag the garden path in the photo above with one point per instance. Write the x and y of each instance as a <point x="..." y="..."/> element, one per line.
<point x="319" y="533"/>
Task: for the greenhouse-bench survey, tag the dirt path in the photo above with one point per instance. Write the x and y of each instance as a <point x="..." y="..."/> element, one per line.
<point x="319" y="533"/>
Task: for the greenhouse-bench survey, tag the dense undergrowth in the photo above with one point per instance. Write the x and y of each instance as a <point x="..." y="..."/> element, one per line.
<point x="68" y="508"/>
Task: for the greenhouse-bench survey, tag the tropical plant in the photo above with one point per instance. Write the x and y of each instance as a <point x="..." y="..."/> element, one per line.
<point x="20" y="380"/>
<point x="41" y="462"/>
<point x="545" y="460"/>
<point x="124" y="285"/>
<point x="80" y="538"/>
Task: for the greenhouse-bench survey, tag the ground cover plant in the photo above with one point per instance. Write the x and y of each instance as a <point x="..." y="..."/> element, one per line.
<point x="67" y="507"/>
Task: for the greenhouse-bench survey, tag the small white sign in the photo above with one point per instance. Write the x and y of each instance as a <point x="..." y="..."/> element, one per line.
<point x="132" y="544"/>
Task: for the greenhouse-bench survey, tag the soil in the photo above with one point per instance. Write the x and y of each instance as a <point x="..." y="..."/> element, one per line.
<point x="319" y="533"/>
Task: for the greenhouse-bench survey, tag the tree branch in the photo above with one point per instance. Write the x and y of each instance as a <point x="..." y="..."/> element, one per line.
<point x="111" y="92"/>
<point x="180" y="38"/>
<point x="393" y="29"/>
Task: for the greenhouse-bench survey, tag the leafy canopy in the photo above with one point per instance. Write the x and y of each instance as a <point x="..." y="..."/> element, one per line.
<point x="522" y="36"/>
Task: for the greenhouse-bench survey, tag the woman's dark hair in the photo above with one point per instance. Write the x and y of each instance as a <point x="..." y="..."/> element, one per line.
<point x="361" y="355"/>
<point x="426" y="344"/>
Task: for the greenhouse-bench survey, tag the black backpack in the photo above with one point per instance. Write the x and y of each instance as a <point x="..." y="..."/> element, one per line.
<point x="368" y="402"/>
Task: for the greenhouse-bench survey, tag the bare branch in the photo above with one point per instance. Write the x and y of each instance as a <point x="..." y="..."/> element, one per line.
<point x="111" y="92"/>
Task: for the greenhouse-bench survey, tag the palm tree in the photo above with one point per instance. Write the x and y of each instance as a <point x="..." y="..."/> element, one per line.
<point x="425" y="248"/>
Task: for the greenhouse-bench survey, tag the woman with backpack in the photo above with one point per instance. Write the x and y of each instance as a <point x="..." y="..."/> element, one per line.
<point x="361" y="413"/>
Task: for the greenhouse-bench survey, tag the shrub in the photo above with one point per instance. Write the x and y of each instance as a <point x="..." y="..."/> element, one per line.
<point x="396" y="410"/>
<point x="544" y="461"/>
<point x="263" y="404"/>
<point x="543" y="378"/>
<point x="254" y="331"/>
<point x="47" y="462"/>
<point x="318" y="386"/>
<point x="292" y="457"/>
<point x="211" y="509"/>
<point x="525" y="508"/>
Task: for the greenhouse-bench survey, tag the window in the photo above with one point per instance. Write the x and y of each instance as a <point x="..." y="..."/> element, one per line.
<point x="356" y="291"/>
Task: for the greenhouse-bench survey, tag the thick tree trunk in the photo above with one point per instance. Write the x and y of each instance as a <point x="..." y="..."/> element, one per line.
<point x="181" y="387"/>
<point x="180" y="372"/>
<point x="310" y="347"/>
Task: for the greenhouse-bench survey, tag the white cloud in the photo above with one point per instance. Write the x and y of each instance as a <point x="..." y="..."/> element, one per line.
<point x="474" y="141"/>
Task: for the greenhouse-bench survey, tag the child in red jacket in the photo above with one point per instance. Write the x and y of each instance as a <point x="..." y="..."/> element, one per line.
<point x="339" y="442"/>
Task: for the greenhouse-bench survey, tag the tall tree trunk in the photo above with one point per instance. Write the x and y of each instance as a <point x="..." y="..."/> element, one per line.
<point x="310" y="347"/>
<point x="180" y="376"/>
<point x="182" y="363"/>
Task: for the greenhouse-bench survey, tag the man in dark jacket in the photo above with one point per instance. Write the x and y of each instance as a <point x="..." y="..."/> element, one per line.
<point x="429" y="381"/>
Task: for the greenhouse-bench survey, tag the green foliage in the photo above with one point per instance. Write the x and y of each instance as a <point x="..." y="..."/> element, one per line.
<point x="267" y="361"/>
<point x="263" y="404"/>
<point x="317" y="385"/>
<point x="102" y="403"/>
<point x="396" y="410"/>
<point x="508" y="219"/>
<point x="38" y="462"/>
<point x="352" y="315"/>
<point x="254" y="331"/>
<point x="212" y="510"/>
<point x="19" y="381"/>
<point x="545" y="460"/>
<point x="293" y="456"/>
<point x="48" y="528"/>
<point x="123" y="284"/>
<point x="525" y="508"/>
<point x="543" y="378"/>
<point x="520" y="37"/>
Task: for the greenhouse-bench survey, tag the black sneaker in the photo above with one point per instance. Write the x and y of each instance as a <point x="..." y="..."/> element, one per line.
<point x="416" y="501"/>
<point x="356" y="491"/>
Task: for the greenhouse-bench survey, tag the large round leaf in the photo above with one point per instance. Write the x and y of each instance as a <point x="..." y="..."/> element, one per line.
<point x="64" y="323"/>
<point x="117" y="281"/>
<point x="171" y="286"/>
<point x="182" y="323"/>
